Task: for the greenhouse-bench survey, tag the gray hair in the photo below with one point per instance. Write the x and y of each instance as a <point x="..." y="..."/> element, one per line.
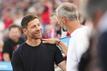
<point x="68" y="10"/>
<point x="93" y="6"/>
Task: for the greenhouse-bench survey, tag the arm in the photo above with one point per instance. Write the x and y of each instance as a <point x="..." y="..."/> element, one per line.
<point x="6" y="57"/>
<point x="63" y="47"/>
<point x="102" y="49"/>
<point x="59" y="60"/>
<point x="62" y="65"/>
<point x="16" y="62"/>
<point x="6" y="50"/>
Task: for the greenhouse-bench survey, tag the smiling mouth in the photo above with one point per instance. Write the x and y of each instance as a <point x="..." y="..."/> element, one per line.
<point x="37" y="33"/>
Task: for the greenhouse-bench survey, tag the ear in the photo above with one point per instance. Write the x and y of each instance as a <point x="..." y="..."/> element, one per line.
<point x="25" y="31"/>
<point x="64" y="19"/>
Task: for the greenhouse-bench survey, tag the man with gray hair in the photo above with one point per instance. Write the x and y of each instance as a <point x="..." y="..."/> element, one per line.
<point x="68" y="17"/>
<point x="97" y="12"/>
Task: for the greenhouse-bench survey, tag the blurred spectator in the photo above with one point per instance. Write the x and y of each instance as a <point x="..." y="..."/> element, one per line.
<point x="23" y="5"/>
<point x="1" y="39"/>
<point x="96" y="10"/>
<point x="18" y="17"/>
<point x="1" y="49"/>
<point x="1" y="25"/>
<point x="12" y="42"/>
<point x="45" y="18"/>
<point x="7" y="18"/>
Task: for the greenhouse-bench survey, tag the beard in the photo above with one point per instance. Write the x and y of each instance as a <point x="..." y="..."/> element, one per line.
<point x="35" y="36"/>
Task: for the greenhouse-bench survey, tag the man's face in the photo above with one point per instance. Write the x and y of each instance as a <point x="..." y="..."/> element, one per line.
<point x="33" y="29"/>
<point x="14" y="33"/>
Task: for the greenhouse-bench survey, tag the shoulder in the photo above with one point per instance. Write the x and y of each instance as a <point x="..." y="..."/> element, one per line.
<point x="82" y="33"/>
<point x="51" y="46"/>
<point x="84" y="30"/>
<point x="19" y="48"/>
<point x="7" y="41"/>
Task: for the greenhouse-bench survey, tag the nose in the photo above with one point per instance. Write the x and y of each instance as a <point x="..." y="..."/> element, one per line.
<point x="38" y="28"/>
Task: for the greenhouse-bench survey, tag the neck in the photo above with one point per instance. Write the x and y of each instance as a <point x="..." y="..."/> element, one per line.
<point x="75" y="25"/>
<point x="33" y="42"/>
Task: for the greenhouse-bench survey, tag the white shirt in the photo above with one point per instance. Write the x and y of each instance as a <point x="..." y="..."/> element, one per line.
<point x="78" y="44"/>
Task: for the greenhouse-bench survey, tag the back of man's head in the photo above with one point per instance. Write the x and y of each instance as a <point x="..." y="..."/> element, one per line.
<point x="94" y="6"/>
<point x="68" y="10"/>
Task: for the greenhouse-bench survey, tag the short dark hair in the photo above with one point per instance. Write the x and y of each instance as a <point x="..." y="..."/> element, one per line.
<point x="27" y="19"/>
<point x="15" y="26"/>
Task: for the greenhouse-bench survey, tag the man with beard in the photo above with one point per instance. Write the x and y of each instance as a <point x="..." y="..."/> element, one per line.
<point x="34" y="55"/>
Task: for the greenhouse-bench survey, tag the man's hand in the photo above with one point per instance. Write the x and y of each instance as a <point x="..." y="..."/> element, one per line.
<point x="6" y="57"/>
<point x="58" y="43"/>
<point x="50" y="41"/>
